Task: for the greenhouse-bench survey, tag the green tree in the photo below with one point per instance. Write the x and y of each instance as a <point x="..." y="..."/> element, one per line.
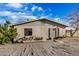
<point x="7" y="33"/>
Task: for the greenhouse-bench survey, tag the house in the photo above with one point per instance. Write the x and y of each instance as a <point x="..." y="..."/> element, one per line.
<point x="42" y="28"/>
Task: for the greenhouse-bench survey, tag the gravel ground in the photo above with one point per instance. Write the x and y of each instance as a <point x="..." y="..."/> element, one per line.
<point x="64" y="47"/>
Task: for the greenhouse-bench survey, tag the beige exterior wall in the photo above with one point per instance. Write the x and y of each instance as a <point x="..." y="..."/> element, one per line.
<point x="39" y="30"/>
<point x="62" y="32"/>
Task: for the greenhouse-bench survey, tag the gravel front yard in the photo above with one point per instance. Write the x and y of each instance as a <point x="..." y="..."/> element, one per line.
<point x="65" y="47"/>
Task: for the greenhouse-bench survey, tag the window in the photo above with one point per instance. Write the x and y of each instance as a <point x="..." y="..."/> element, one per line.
<point x="28" y="31"/>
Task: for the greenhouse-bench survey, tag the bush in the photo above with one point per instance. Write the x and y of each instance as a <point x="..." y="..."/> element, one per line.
<point x="7" y="33"/>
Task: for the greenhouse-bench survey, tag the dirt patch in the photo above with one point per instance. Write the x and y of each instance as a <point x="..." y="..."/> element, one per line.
<point x="64" y="47"/>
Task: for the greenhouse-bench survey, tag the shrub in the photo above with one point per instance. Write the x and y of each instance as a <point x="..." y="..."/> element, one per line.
<point x="7" y="33"/>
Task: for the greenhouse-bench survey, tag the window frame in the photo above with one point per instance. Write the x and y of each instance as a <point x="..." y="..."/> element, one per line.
<point x="27" y="31"/>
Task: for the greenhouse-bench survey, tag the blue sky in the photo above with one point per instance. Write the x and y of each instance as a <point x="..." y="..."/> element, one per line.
<point x="20" y="12"/>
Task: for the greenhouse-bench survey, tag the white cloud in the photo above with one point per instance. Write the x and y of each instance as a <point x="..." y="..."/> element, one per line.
<point x="31" y="17"/>
<point x="17" y="17"/>
<point x="13" y="17"/>
<point x="20" y="19"/>
<point x="13" y="14"/>
<point x="14" y="21"/>
<point x="14" y="5"/>
<point x="57" y="19"/>
<point x="40" y="8"/>
<point x="5" y="13"/>
<point x="36" y="8"/>
<point x="43" y="17"/>
<point x="26" y="8"/>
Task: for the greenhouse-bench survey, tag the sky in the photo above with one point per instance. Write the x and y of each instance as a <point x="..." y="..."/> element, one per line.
<point x="20" y="12"/>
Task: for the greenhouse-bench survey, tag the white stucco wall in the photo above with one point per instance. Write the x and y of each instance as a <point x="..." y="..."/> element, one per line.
<point x="39" y="29"/>
<point x="61" y="32"/>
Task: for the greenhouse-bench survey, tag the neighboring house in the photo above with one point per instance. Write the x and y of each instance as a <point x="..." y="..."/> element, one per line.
<point x="40" y="28"/>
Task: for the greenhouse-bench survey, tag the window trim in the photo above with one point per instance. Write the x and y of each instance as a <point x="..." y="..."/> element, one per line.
<point x="27" y="30"/>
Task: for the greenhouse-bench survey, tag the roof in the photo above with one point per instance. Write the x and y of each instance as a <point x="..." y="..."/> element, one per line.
<point x="53" y="22"/>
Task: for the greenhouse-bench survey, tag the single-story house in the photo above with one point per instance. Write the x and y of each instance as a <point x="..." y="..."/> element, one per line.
<point x="43" y="28"/>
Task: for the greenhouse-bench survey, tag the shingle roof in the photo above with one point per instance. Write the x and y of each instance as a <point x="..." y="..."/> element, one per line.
<point x="53" y="22"/>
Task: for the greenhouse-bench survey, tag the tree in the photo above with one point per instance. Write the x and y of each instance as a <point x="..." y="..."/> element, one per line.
<point x="73" y="18"/>
<point x="7" y="33"/>
<point x="12" y="33"/>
